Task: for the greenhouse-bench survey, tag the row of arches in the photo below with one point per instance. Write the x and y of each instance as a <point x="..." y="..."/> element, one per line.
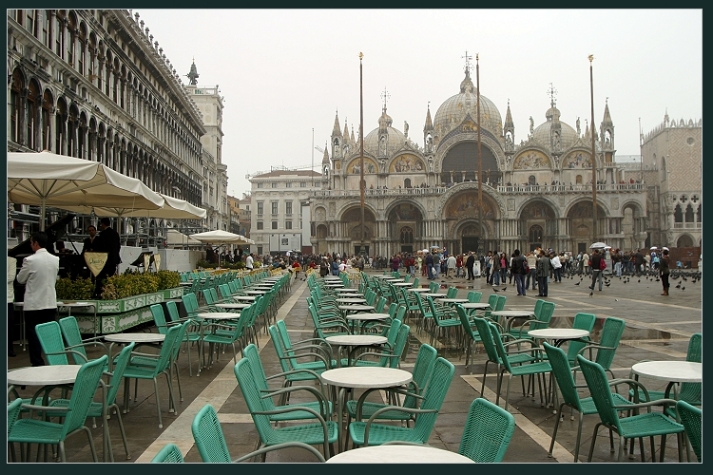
<point x="38" y="121"/>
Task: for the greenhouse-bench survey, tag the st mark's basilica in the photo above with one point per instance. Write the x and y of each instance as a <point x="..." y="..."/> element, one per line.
<point x="537" y="192"/>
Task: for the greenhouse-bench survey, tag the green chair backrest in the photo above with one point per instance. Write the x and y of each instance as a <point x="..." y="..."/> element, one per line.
<point x="694" y="348"/>
<point x="600" y="391"/>
<point x="190" y="303"/>
<point x="433" y="396"/>
<point x="398" y="348"/>
<point x="563" y="374"/>
<point x="452" y="292"/>
<point x="538" y="307"/>
<point x="424" y="308"/>
<point x="465" y="323"/>
<point x="253" y="398"/>
<point x="13" y="412"/>
<point x="486" y="337"/>
<point x="500" y="305"/>
<point x="170" y="453"/>
<point x="612" y="330"/>
<point x="208" y="436"/>
<point x="50" y="337"/>
<point x="380" y="304"/>
<point x="474" y="297"/>
<point x="224" y="290"/>
<point x="416" y="283"/>
<point x="159" y="317"/>
<point x="691" y="392"/>
<point x="582" y="321"/>
<point x="251" y="354"/>
<point x="434" y="287"/>
<point x="422" y="372"/>
<point x="499" y="346"/>
<point x="400" y="312"/>
<point x="393" y="306"/>
<point x="83" y="390"/>
<point x="493" y="301"/>
<point x="173" y="312"/>
<point x="548" y="309"/>
<point x="487" y="433"/>
<point x="73" y="337"/>
<point x="691" y="419"/>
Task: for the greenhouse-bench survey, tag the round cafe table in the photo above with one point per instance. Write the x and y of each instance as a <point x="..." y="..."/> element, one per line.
<point x="365" y="318"/>
<point x="71" y="305"/>
<point x="233" y="306"/>
<point x="511" y="315"/>
<point x="349" y="300"/>
<point x="355" y="342"/>
<point x="355" y="308"/>
<point x="672" y="371"/>
<point x="47" y="377"/>
<point x="399" y="454"/>
<point x="452" y="300"/>
<point x="362" y="377"/>
<point x="558" y="335"/>
<point x="403" y="284"/>
<point x="422" y="290"/>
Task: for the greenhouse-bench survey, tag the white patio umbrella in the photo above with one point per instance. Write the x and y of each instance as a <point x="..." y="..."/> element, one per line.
<point x="598" y="245"/>
<point x="173" y="208"/>
<point x="48" y="179"/>
<point x="220" y="237"/>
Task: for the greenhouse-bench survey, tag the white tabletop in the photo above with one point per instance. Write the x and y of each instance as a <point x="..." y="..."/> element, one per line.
<point x="233" y="305"/>
<point x="256" y="292"/>
<point x="434" y="295"/>
<point x="335" y="285"/>
<point x="513" y="313"/>
<point x="43" y="375"/>
<point x="558" y="333"/>
<point x="395" y="280"/>
<point x="399" y="454"/>
<point x="356" y="308"/>
<point x="350" y="300"/>
<point x="75" y="304"/>
<point x="475" y="305"/>
<point x="454" y="300"/>
<point x="344" y="290"/>
<point x="672" y="371"/>
<point x="418" y="289"/>
<point x="356" y="340"/>
<point x="135" y="337"/>
<point x="368" y="316"/>
<point x="366" y="377"/>
<point x="402" y="284"/>
<point x="248" y="298"/>
<point x="219" y="315"/>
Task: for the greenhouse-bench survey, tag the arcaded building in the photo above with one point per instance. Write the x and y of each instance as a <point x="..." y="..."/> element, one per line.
<point x="536" y="191"/>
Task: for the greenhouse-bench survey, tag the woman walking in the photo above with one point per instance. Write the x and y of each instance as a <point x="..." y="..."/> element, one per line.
<point x="664" y="271"/>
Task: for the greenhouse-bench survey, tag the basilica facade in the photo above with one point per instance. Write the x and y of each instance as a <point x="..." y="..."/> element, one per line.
<point x="537" y="192"/>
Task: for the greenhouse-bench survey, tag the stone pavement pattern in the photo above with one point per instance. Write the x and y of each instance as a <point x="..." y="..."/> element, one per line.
<point x="658" y="328"/>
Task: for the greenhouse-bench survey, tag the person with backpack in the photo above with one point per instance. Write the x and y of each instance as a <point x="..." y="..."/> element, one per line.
<point x="519" y="270"/>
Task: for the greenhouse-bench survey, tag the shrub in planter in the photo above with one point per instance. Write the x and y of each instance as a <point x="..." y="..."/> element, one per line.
<point x="68" y="289"/>
<point x="127" y="285"/>
<point x="168" y="279"/>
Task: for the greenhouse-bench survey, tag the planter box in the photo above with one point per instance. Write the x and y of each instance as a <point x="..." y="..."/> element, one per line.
<point x="114" y="316"/>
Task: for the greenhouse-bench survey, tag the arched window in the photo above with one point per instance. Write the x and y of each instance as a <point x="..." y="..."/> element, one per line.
<point x="16" y="87"/>
<point x="678" y="214"/>
<point x="406" y="235"/>
<point x="689" y="214"/>
<point x="47" y="102"/>
<point x="531" y="180"/>
<point x="535" y="234"/>
<point x="60" y="124"/>
<point x="407" y="183"/>
<point x="578" y="180"/>
<point x="33" y="114"/>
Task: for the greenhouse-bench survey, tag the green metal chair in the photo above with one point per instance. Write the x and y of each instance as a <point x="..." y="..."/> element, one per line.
<point x="287" y="445"/>
<point x="612" y="330"/>
<point x="541" y="321"/>
<point x="321" y="405"/>
<point x="193" y="332"/>
<point x="570" y="396"/>
<point x="162" y="365"/>
<point x="50" y="336"/>
<point x="13" y="413"/>
<point x="392" y="354"/>
<point x="649" y="424"/>
<point x="513" y="367"/>
<point x="582" y="321"/>
<point x="493" y="302"/>
<point x="372" y="433"/>
<point x="487" y="433"/>
<point x="34" y="431"/>
<point x="170" y="453"/>
<point x="690" y="417"/>
<point x="225" y="333"/>
<point x="73" y="339"/>
<point x="102" y="410"/>
<point x="321" y="432"/>
<point x="471" y="336"/>
<point x="474" y="296"/>
<point x="208" y="436"/>
<point x="422" y="372"/>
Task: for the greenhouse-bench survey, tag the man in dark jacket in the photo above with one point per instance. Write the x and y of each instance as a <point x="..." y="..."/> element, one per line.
<point x="109" y="242"/>
<point x="518" y="270"/>
<point x="595" y="262"/>
<point x="469" y="263"/>
<point x="429" y="265"/>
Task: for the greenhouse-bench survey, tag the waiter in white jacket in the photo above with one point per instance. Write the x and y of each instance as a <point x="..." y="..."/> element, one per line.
<point x="39" y="274"/>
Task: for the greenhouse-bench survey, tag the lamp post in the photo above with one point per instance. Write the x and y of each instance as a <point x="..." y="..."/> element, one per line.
<point x="362" y="250"/>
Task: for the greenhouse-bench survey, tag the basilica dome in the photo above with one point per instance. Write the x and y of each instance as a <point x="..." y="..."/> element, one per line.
<point x="452" y="112"/>
<point x="542" y="132"/>
<point x="396" y="138"/>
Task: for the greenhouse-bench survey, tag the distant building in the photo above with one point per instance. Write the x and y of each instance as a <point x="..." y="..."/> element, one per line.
<point x="280" y="212"/>
<point x="537" y="192"/>
<point x="673" y="171"/>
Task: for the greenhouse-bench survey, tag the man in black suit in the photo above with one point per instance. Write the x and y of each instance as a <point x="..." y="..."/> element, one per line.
<point x="469" y="263"/>
<point x="109" y="242"/>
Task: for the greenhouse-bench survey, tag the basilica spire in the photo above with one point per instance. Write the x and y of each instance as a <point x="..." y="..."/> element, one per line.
<point x="336" y="129"/>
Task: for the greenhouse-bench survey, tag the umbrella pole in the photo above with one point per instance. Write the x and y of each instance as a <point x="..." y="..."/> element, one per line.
<point x="43" y="210"/>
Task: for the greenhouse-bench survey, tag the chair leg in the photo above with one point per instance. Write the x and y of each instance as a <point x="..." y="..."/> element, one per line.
<point x="554" y="431"/>
<point x="579" y="437"/>
<point x="178" y="379"/>
<point x="594" y="440"/>
<point x="158" y="403"/>
<point x="123" y="432"/>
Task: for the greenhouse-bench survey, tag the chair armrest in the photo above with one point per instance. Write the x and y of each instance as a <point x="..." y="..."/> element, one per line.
<point x="35" y="407"/>
<point x="295" y="371"/>
<point x="391" y="408"/>
<point x="271" y="448"/>
<point x="305" y="355"/>
<point x="317" y="416"/>
<point x="365" y="394"/>
<point x="321" y="399"/>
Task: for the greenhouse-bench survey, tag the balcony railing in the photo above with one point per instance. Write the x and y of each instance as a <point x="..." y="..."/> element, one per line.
<point x="687" y="225"/>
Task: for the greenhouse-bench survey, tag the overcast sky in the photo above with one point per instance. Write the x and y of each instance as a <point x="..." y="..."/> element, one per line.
<point x="284" y="73"/>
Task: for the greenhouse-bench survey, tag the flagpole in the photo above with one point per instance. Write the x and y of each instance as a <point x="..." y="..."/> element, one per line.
<point x="480" y="155"/>
<point x="594" y="152"/>
<point x="361" y="146"/>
